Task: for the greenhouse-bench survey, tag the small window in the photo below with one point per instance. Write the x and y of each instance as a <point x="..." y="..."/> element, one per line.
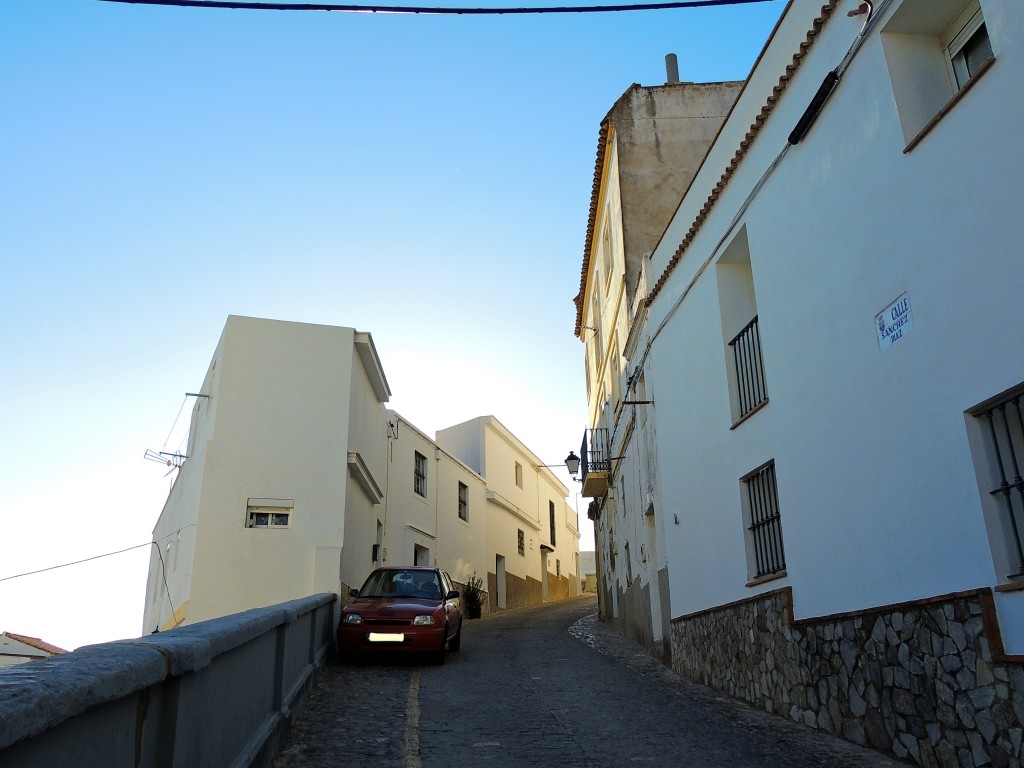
<point x="269" y="513"/>
<point x="586" y="367"/>
<point x="519" y="474"/>
<point x="463" y="502"/>
<point x="522" y="542"/>
<point x="606" y="250"/>
<point x="419" y="477"/>
<point x="933" y="51"/>
<point x="558" y="567"/>
<point x="969" y="47"/>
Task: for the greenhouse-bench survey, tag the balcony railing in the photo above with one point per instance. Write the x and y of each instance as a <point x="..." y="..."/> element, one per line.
<point x="595" y="462"/>
<point x="746" y="356"/>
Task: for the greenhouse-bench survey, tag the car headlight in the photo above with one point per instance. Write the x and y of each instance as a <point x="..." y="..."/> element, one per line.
<point x="423" y="621"/>
<point x="352" y="618"/>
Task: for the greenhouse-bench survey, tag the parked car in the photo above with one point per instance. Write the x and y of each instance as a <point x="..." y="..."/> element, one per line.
<point x="408" y="609"/>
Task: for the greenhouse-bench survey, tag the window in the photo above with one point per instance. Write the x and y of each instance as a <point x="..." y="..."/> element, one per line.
<point x="522" y="542"/>
<point x="419" y="477"/>
<point x="269" y="513"/>
<point x="999" y="456"/>
<point x="748" y="368"/>
<point x="934" y="50"/>
<point x="595" y="326"/>
<point x="463" y="502"/>
<point x="551" y="519"/>
<point x="738" y="306"/>
<point x="765" y="555"/>
<point x="606" y="249"/>
<point x="558" y="567"/>
<point x="969" y="48"/>
<point x="615" y="368"/>
<point x="519" y="474"/>
<point x="586" y="367"/>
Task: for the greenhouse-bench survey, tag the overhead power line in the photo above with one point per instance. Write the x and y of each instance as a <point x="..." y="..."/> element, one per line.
<point x="97" y="557"/>
<point x="413" y="9"/>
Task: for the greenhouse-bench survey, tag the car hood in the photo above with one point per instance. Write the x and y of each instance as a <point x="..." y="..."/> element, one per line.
<point x="391" y="606"/>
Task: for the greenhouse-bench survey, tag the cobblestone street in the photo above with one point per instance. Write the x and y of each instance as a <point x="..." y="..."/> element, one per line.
<point x="544" y="686"/>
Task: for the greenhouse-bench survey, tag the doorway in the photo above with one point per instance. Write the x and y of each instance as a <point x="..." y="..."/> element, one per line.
<point x="420" y="555"/>
<point x="499" y="581"/>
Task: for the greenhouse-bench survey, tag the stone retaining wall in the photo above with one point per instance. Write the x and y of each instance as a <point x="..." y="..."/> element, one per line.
<point x="926" y="681"/>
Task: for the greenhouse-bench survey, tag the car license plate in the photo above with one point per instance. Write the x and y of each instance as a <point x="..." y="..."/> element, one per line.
<point x="386" y="637"/>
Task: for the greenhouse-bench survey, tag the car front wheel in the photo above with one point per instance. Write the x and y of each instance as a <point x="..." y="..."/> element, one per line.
<point x="439" y="655"/>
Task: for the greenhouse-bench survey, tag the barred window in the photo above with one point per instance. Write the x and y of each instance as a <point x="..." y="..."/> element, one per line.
<point x="1004" y="434"/>
<point x="522" y="542"/>
<point x="764" y="529"/>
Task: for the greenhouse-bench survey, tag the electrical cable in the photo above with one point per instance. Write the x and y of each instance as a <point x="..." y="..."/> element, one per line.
<point x="427" y="10"/>
<point x="96" y="557"/>
<point x="167" y="590"/>
<point x="874" y="14"/>
<point x="175" y="424"/>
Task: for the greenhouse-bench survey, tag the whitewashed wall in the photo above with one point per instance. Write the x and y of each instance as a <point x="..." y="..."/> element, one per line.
<point x="877" y="488"/>
<point x="270" y="443"/>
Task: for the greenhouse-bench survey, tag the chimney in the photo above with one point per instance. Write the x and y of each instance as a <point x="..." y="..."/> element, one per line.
<point x="671" y="69"/>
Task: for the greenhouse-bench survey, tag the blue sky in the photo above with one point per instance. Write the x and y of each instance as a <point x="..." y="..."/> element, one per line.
<point x="423" y="178"/>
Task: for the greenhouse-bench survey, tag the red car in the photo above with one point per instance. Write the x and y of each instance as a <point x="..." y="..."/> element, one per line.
<point x="402" y="610"/>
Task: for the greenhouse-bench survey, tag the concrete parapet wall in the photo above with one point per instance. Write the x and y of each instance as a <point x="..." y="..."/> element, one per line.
<point x="217" y="693"/>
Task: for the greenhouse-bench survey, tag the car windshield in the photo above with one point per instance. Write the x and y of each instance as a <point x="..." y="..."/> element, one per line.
<point x="402" y="583"/>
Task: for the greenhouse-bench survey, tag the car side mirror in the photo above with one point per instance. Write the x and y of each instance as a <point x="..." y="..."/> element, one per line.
<point x="452" y="595"/>
<point x="354" y="592"/>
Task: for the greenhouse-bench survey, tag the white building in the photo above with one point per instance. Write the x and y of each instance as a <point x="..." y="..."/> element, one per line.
<point x="830" y="347"/>
<point x="299" y="480"/>
<point x="650" y="146"/>
<point x="532" y="537"/>
<point x="19" y="649"/>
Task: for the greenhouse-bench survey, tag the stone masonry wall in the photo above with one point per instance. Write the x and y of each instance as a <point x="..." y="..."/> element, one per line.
<point x="926" y="681"/>
<point x="519" y="592"/>
<point x="635" y="617"/>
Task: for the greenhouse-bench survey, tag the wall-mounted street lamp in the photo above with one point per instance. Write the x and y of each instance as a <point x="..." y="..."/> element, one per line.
<point x="572" y="463"/>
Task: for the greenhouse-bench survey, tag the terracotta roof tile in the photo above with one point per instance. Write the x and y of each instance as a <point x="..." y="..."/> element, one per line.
<point x="745" y="144"/>
<point x="35" y="642"/>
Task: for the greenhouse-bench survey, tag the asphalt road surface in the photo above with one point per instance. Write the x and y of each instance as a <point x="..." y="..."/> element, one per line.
<point x="546" y="686"/>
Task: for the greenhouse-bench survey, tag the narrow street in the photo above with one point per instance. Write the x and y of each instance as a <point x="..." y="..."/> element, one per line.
<point x="543" y="686"/>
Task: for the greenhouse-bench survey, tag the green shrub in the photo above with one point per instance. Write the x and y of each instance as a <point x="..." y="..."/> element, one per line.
<point x="473" y="597"/>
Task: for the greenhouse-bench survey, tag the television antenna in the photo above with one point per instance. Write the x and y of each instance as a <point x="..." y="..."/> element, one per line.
<point x="172" y="460"/>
